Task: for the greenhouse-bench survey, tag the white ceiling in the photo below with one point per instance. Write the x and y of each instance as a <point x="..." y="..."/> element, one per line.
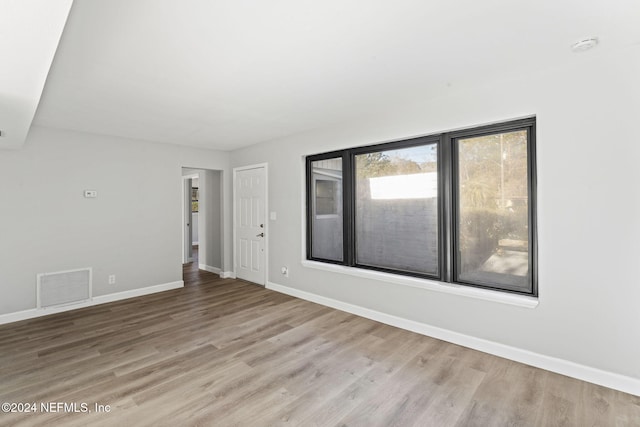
<point x="29" y="35"/>
<point x="229" y="73"/>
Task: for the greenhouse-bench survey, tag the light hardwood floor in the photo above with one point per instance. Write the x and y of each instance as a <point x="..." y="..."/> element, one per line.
<point x="226" y="352"/>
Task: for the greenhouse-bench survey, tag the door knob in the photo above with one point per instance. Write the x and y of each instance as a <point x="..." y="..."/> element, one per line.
<point x="260" y="235"/>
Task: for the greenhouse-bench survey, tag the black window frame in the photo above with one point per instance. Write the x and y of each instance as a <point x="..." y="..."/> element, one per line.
<point x="448" y="211"/>
<point x="452" y="139"/>
<point x="346" y="175"/>
<point x="398" y="145"/>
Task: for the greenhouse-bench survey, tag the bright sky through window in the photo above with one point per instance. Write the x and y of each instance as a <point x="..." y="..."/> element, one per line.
<point x="413" y="186"/>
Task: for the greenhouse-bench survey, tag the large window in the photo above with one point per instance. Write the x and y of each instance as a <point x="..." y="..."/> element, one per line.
<point x="456" y="207"/>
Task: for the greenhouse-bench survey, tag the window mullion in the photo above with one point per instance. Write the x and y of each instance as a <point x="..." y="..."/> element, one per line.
<point x="348" y="203"/>
<point x="446" y="221"/>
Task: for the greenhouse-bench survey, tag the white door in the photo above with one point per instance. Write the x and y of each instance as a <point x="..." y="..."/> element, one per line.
<point x="250" y="224"/>
<point x="187" y="252"/>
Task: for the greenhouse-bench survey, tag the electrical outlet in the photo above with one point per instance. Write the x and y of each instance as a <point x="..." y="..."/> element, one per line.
<point x="112" y="279"/>
<point x="284" y="271"/>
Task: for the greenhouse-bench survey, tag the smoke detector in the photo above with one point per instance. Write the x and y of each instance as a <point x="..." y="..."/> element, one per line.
<point x="584" y="44"/>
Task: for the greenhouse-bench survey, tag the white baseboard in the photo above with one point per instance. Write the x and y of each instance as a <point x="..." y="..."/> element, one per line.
<point x="560" y="366"/>
<point x="102" y="299"/>
<point x="137" y="292"/>
<point x="210" y="269"/>
<point x="227" y="275"/>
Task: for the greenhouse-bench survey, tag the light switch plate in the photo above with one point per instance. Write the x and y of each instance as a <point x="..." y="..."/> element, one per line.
<point x="90" y="194"/>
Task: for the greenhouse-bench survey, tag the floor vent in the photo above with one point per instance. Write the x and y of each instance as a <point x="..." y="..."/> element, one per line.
<point x="64" y="287"/>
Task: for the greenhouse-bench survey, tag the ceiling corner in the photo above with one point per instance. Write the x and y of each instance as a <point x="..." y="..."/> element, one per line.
<point x="28" y="43"/>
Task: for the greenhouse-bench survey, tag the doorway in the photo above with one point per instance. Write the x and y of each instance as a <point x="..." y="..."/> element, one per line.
<point x="202" y="236"/>
<point x="250" y="225"/>
<point x="188" y="239"/>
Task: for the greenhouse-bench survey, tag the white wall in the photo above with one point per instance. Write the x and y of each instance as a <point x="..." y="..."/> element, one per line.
<point x="588" y="212"/>
<point x="212" y="214"/>
<point x="194" y="228"/>
<point x="132" y="230"/>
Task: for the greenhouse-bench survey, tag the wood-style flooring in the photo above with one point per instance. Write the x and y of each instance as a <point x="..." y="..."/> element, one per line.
<point x="223" y="352"/>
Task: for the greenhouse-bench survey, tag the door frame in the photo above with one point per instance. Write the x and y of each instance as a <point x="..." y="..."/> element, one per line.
<point x="264" y="166"/>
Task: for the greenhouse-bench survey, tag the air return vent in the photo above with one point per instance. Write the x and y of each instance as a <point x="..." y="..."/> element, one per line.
<point x="64" y="287"/>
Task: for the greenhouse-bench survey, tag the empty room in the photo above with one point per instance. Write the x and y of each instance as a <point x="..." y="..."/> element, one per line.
<point x="330" y="213"/>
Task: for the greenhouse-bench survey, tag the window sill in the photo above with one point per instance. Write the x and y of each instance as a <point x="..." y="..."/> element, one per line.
<point x="430" y="285"/>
